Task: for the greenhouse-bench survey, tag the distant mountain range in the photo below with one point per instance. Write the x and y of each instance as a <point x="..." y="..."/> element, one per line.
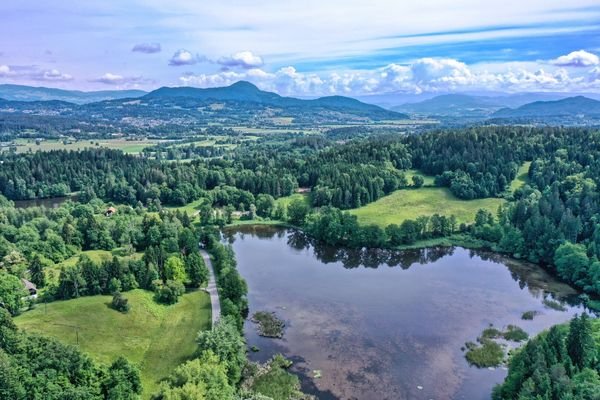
<point x="519" y="105"/>
<point x="243" y="91"/>
<point x="29" y="93"/>
<point x="243" y="102"/>
<point x="579" y="106"/>
<point x="180" y="109"/>
<point x="453" y="105"/>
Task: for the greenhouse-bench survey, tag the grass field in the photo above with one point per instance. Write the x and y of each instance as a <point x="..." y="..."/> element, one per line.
<point x="191" y="208"/>
<point x="127" y="146"/>
<point x="522" y="177"/>
<point x="411" y="203"/>
<point x="288" y="199"/>
<point x="155" y="337"/>
<point x="428" y="180"/>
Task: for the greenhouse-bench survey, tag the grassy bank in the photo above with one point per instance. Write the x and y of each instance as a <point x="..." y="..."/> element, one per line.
<point x="155" y="337"/>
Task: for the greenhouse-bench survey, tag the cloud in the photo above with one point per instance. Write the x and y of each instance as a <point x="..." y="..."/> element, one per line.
<point x="120" y="80"/>
<point x="183" y="57"/>
<point x="580" y="58"/>
<point x="434" y="75"/>
<point x="242" y="59"/>
<point x="147" y="48"/>
<point x="52" y="75"/>
<point x="34" y="73"/>
<point x="5" y="70"/>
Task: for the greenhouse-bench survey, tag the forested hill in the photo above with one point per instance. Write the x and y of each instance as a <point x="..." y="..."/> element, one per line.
<point x="182" y="109"/>
<point x="30" y="93"/>
<point x="243" y="91"/>
<point x="572" y="107"/>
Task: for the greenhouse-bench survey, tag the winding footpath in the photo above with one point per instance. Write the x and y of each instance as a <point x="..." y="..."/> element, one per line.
<point x="211" y="289"/>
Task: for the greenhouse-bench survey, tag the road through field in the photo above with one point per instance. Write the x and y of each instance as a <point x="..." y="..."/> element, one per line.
<point x="211" y="289"/>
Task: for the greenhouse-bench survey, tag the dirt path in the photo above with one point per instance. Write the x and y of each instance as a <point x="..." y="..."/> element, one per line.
<point x="211" y="288"/>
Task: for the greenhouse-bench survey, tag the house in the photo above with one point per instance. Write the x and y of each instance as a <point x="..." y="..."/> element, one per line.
<point x="110" y="211"/>
<point x="30" y="287"/>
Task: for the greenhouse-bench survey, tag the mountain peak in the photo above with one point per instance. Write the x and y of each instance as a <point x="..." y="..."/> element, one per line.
<point x="244" y="85"/>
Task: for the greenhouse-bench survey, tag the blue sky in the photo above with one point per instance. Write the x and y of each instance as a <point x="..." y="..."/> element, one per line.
<point x="304" y="48"/>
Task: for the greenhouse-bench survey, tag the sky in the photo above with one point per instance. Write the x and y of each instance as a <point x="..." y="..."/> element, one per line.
<point x="304" y="48"/>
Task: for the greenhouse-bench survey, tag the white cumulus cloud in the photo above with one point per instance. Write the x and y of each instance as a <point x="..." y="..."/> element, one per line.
<point x="435" y="75"/>
<point x="242" y="59"/>
<point x="580" y="58"/>
<point x="4" y="70"/>
<point x="183" y="57"/>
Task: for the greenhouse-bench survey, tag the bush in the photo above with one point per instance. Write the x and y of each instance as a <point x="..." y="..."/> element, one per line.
<point x="169" y="293"/>
<point x="120" y="303"/>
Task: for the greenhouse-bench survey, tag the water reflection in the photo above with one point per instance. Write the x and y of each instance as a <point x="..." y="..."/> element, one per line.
<point x="527" y="275"/>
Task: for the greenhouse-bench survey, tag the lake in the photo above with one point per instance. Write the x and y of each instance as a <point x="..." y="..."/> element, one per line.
<point x="383" y="324"/>
<point x="50" y="202"/>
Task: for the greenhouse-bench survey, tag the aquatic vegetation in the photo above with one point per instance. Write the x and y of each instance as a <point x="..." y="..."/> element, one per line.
<point x="529" y="315"/>
<point x="268" y="324"/>
<point x="515" y="334"/>
<point x="555" y="305"/>
<point x="486" y="354"/>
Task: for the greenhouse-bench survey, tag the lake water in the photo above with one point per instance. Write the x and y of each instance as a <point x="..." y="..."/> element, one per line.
<point x="51" y="202"/>
<point x="388" y="325"/>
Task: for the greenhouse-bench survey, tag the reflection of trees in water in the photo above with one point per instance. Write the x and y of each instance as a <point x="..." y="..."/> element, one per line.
<point x="373" y="258"/>
<point x="528" y="276"/>
<point x="533" y="278"/>
<point x="350" y="258"/>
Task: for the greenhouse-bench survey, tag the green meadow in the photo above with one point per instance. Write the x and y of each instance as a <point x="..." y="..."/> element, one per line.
<point x="156" y="337"/>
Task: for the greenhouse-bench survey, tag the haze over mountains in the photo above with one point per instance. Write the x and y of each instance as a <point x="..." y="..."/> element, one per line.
<point x="578" y="106"/>
<point x="244" y="100"/>
<point x="30" y="93"/>
<point x="185" y="108"/>
<point x="464" y="105"/>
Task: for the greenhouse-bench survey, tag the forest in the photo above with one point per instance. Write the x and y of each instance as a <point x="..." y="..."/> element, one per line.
<point x="551" y="220"/>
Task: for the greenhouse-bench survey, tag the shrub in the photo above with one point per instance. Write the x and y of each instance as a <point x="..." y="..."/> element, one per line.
<point x="120" y="303"/>
<point x="169" y="293"/>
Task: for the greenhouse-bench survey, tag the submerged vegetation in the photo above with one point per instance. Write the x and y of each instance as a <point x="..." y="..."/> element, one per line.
<point x="529" y="315"/>
<point x="268" y="324"/>
<point x="488" y="352"/>
<point x="485" y="354"/>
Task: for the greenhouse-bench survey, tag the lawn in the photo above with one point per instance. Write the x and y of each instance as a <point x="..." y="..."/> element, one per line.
<point x="411" y="203"/>
<point x="155" y="337"/>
